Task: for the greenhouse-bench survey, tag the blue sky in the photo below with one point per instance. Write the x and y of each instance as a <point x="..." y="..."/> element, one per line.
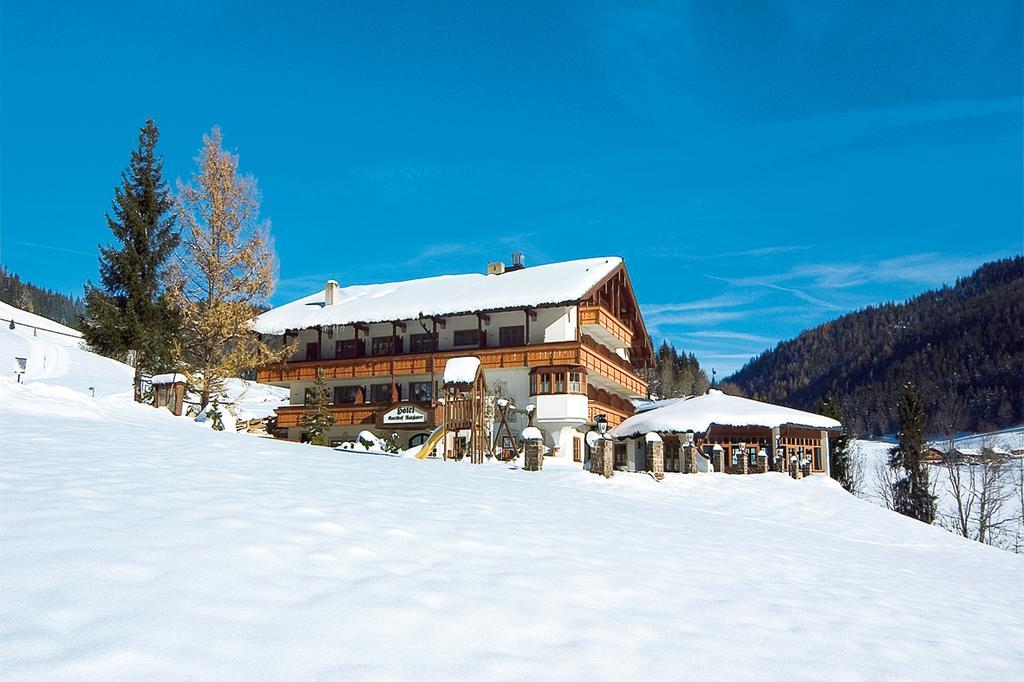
<point x="762" y="167"/>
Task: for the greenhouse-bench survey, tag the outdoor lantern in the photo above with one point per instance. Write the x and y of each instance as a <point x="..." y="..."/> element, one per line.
<point x="601" y="421"/>
<point x="688" y="438"/>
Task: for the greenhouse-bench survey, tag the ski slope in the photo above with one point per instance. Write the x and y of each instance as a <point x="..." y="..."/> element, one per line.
<point x="56" y="355"/>
<point x="140" y="546"/>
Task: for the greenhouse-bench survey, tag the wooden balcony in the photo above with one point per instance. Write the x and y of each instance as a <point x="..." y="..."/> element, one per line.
<point x="602" y="325"/>
<point x="586" y="352"/>
<point x="615" y="409"/>
<point x="604" y="363"/>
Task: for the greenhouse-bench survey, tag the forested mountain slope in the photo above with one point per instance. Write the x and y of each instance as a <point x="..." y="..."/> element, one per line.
<point x="33" y="299"/>
<point x="963" y="346"/>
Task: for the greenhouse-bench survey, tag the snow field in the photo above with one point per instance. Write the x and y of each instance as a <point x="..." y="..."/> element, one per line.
<point x="137" y="545"/>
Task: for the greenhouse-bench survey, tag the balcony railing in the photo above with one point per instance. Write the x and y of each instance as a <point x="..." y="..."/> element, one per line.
<point x="605" y="326"/>
<point x="587" y="353"/>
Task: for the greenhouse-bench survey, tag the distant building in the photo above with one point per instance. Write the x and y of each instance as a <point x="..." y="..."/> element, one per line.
<point x="566" y="338"/>
<point x="736" y="435"/>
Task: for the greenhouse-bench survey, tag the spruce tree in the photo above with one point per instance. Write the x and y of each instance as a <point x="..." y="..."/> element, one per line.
<point x="840" y="464"/>
<point x="910" y="492"/>
<point x="127" y="315"/>
<point x="318" y="420"/>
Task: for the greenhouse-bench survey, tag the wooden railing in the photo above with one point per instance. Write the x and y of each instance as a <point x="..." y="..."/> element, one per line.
<point x="601" y="316"/>
<point x="597" y="358"/>
<point x="614" y="415"/>
<point x="587" y="353"/>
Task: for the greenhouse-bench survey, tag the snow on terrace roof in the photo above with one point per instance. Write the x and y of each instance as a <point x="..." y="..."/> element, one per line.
<point x="445" y="295"/>
<point x="698" y="413"/>
<point x="461" y="370"/>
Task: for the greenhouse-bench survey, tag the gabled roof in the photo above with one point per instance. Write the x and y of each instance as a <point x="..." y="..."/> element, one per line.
<point x="538" y="285"/>
<point x="700" y="412"/>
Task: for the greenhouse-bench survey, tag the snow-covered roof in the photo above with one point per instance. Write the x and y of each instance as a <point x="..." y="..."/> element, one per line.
<point x="698" y="413"/>
<point x="445" y="295"/>
<point x="461" y="370"/>
<point x="167" y="378"/>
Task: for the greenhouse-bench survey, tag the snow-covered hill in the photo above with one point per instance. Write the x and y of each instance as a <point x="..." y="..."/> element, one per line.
<point x="56" y="356"/>
<point x="137" y="545"/>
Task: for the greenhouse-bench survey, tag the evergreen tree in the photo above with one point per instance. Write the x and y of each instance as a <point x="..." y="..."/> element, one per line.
<point x="225" y="271"/>
<point x="910" y="492"/>
<point x="840" y="464"/>
<point x="127" y="315"/>
<point x="318" y="420"/>
<point x="675" y="374"/>
<point x="215" y="415"/>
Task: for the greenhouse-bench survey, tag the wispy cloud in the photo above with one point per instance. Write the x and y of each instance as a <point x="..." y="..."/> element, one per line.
<point x="62" y="249"/>
<point x="769" y="284"/>
<point x="737" y="336"/>
<point x="713" y="302"/>
<point x="699" y="256"/>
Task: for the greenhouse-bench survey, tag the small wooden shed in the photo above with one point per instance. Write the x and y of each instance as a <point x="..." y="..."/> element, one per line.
<point x="169" y="392"/>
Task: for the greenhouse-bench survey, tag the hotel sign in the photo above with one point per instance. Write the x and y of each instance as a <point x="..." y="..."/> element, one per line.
<point x="405" y="414"/>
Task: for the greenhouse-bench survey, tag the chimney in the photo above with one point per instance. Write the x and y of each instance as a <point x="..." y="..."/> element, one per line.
<point x="332" y="292"/>
<point x="517" y="262"/>
<point x="495" y="268"/>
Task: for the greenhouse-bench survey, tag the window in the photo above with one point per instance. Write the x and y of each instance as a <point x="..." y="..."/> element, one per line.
<point x="421" y="343"/>
<point x="418" y="439"/>
<point x="346" y="349"/>
<point x="511" y="336"/>
<point x="671" y="453"/>
<point x="386" y="345"/>
<point x="345" y="395"/>
<point x="752" y="456"/>
<point x="380" y="393"/>
<point x="620" y="455"/>
<point x="559" y="382"/>
<point x="577" y="449"/>
<point x="313" y="351"/>
<point x="575" y="382"/>
<point x="545" y="383"/>
<point x="421" y="391"/>
<point x="466" y="337"/>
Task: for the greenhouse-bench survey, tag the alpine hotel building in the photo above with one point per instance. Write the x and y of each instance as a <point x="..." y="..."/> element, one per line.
<point x="565" y="338"/>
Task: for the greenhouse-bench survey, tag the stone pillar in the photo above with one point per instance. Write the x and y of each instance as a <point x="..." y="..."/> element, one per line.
<point x="533" y="458"/>
<point x="656" y="449"/>
<point x="719" y="459"/>
<point x="794" y="468"/>
<point x="689" y="465"/>
<point x="602" y="460"/>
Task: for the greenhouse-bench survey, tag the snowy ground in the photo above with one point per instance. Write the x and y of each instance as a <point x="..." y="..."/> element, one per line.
<point x="137" y="545"/>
